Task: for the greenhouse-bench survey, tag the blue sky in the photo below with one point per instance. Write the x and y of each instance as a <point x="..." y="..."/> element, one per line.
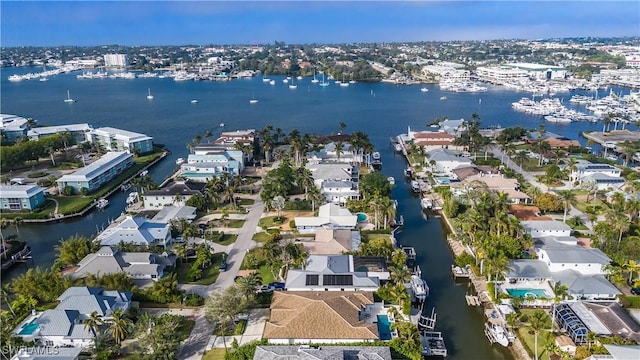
<point x="51" y="23"/>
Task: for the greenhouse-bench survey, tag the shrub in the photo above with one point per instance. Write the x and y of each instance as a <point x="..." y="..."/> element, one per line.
<point x="292" y="224"/>
<point x="298" y="205"/>
<point x="44" y="183"/>
<point x="193" y="300"/>
<point x="38" y="174"/>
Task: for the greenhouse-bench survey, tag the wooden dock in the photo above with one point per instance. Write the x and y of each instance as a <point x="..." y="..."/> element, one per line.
<point x="472" y="300"/>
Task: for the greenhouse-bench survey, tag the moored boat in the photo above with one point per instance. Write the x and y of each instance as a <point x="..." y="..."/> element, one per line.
<point x="497" y="334"/>
<point x="419" y="287"/>
<point x="426" y="203"/>
<point x="102" y="203"/>
<point x="391" y="180"/>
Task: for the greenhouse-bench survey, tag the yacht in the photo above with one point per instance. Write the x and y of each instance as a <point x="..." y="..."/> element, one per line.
<point x="102" y="203"/>
<point x="415" y="186"/>
<point x="426" y="203"/>
<point x="443" y="98"/>
<point x="194" y="101"/>
<point x="253" y="101"/>
<point x="132" y="198"/>
<point x="497" y="334"/>
<point x="179" y="161"/>
<point x="272" y="82"/>
<point x="391" y="180"/>
<point x="375" y="156"/>
<point x="419" y="287"/>
<point x="424" y="89"/>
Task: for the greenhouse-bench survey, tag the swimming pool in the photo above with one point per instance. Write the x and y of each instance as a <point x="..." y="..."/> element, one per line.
<point x="384" y="327"/>
<point x="524" y="293"/>
<point x="29" y="328"/>
<point x="361" y="217"/>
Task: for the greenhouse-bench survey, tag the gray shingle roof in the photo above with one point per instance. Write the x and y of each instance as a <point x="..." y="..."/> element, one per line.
<point x="579" y="284"/>
<point x="535" y="269"/>
<point x="322" y="353"/>
<point x="110" y="261"/>
<point x="545" y="225"/>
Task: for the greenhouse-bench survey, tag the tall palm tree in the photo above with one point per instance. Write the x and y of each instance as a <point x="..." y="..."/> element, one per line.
<point x="92" y="325"/>
<point x="537" y="322"/>
<point x="618" y="222"/>
<point x="249" y="283"/>
<point x="568" y="199"/>
<point x="339" y="145"/>
<point x="400" y="274"/>
<point x="207" y="135"/>
<point x="120" y="326"/>
<point x="632" y="267"/>
<point x="560" y="292"/>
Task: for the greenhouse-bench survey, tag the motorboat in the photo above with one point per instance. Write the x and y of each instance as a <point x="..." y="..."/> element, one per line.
<point x="497" y="334"/>
<point x="375" y="155"/>
<point x="272" y="82"/>
<point x="443" y="98"/>
<point x="398" y="147"/>
<point x="102" y="203"/>
<point x="194" y="101"/>
<point x="253" y="101"/>
<point x="132" y="198"/>
<point x="391" y="180"/>
<point x="426" y="203"/>
<point x="179" y="161"/>
<point x="408" y="172"/>
<point x="415" y="186"/>
<point x="419" y="287"/>
<point x="424" y="89"/>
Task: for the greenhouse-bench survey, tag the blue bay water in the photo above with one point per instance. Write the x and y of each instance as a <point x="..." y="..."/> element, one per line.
<point x="379" y="109"/>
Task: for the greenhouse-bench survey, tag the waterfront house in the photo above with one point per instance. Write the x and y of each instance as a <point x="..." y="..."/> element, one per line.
<point x="230" y="138"/>
<point x="497" y="183"/>
<point x="464" y="172"/>
<point x="98" y="173"/>
<point x="546" y="228"/>
<point x="175" y="213"/>
<point x="136" y="231"/>
<point x="305" y="352"/>
<point x="21" y="197"/>
<point x="143" y="267"/>
<point x="296" y="316"/>
<point x="202" y="167"/>
<point x="13" y="127"/>
<point x="81" y="132"/>
<point x="339" y="191"/>
<point x="453" y="127"/>
<point x="327" y="242"/>
<point x="63" y="326"/>
<point x="430" y="140"/>
<point x="338" y="273"/>
<point x="330" y="216"/>
<point x="122" y="140"/>
<point x="173" y="193"/>
<point x="329" y="154"/>
<point x="322" y="172"/>
<point x="607" y="319"/>
<point x="445" y="161"/>
<point x="585" y="169"/>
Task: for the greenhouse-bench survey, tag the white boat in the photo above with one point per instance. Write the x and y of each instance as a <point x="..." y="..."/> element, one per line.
<point x="292" y="85"/>
<point x="419" y="287"/>
<point x="194" y="101"/>
<point x="426" y="204"/>
<point x="285" y="80"/>
<point x="132" y="198"/>
<point x="179" y="161"/>
<point x="44" y="79"/>
<point x="272" y="82"/>
<point x="398" y="147"/>
<point x="424" y="89"/>
<point x="15" y="77"/>
<point x="314" y="80"/>
<point x="375" y="155"/>
<point x="150" y="97"/>
<point x="253" y="100"/>
<point x="443" y="98"/>
<point x="323" y="83"/>
<point x="344" y="83"/>
<point x="415" y="186"/>
<point x="102" y="203"/>
<point x="497" y="334"/>
<point x="391" y="180"/>
<point x="299" y="77"/>
<point x="265" y="78"/>
<point x="69" y="99"/>
<point x="221" y="125"/>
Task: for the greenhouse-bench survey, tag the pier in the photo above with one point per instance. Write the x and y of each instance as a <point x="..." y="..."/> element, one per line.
<point x="472" y="300"/>
<point x="20" y="256"/>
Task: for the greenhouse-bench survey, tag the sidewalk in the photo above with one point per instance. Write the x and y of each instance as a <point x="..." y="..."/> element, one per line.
<point x="252" y="332"/>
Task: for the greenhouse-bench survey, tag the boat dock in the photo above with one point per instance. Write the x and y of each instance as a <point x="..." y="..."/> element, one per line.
<point x="433" y="344"/>
<point x="460" y="272"/>
<point x="21" y="256"/>
<point x="473" y="300"/>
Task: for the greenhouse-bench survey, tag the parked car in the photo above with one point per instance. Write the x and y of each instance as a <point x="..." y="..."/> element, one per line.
<point x="223" y="262"/>
<point x="264" y="289"/>
<point x="635" y="291"/>
<point x="276" y="285"/>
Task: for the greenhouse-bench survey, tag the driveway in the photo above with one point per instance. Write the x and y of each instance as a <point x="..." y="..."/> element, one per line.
<point x="195" y="345"/>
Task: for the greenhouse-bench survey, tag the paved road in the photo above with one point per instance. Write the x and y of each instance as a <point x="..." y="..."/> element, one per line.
<point x="194" y="347"/>
<point x="531" y="179"/>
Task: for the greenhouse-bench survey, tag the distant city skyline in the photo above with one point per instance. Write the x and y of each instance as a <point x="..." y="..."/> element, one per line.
<point x="88" y="23"/>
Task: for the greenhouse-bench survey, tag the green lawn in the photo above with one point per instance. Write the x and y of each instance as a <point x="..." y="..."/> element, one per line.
<point x="243" y="201"/>
<point x="265" y="274"/>
<point x="261" y="237"/>
<point x="229" y="223"/>
<point x="72" y="204"/>
<point x="269" y="222"/>
<point x="527" y="337"/>
<point x="227" y="239"/>
<point x="214" y="354"/>
<point x="599" y="205"/>
<point x="209" y="275"/>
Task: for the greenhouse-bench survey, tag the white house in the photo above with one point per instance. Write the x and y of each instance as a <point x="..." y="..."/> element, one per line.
<point x="586" y="169"/>
<point x="546" y="228"/>
<point x="63" y="326"/>
<point x="322" y="172"/>
<point x="137" y="265"/>
<point x="565" y="254"/>
<point x="446" y="160"/>
<point x="330" y="154"/>
<point x="201" y="167"/>
<point x="339" y="191"/>
<point x="119" y="140"/>
<point x="81" y="132"/>
<point x="175" y="193"/>
<point x="330" y="216"/>
<point x="334" y="273"/>
<point x="137" y="231"/>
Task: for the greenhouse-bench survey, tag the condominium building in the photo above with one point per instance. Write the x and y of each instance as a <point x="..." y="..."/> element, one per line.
<point x="81" y="132"/>
<point x="21" y="197"/>
<point x="115" y="60"/>
<point x="122" y="140"/>
<point x="98" y="173"/>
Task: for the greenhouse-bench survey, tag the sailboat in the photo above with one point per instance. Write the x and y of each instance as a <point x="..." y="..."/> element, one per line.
<point x="344" y="83"/>
<point x="69" y="99"/>
<point x="323" y="83"/>
<point x="314" y="81"/>
<point x="292" y="85"/>
<point x="150" y="97"/>
<point x="253" y="99"/>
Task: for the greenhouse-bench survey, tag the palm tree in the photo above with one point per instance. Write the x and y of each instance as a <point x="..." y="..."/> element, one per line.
<point x="249" y="283"/>
<point x="521" y="157"/>
<point x="618" y="222"/>
<point x="568" y="199"/>
<point x="341" y="127"/>
<point x="400" y="274"/>
<point x="537" y="322"/>
<point x="560" y="291"/>
<point x="207" y="135"/>
<point x="120" y="326"/>
<point x="632" y="267"/>
<point x="591" y="338"/>
<point x="92" y="325"/>
<point x="339" y="146"/>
